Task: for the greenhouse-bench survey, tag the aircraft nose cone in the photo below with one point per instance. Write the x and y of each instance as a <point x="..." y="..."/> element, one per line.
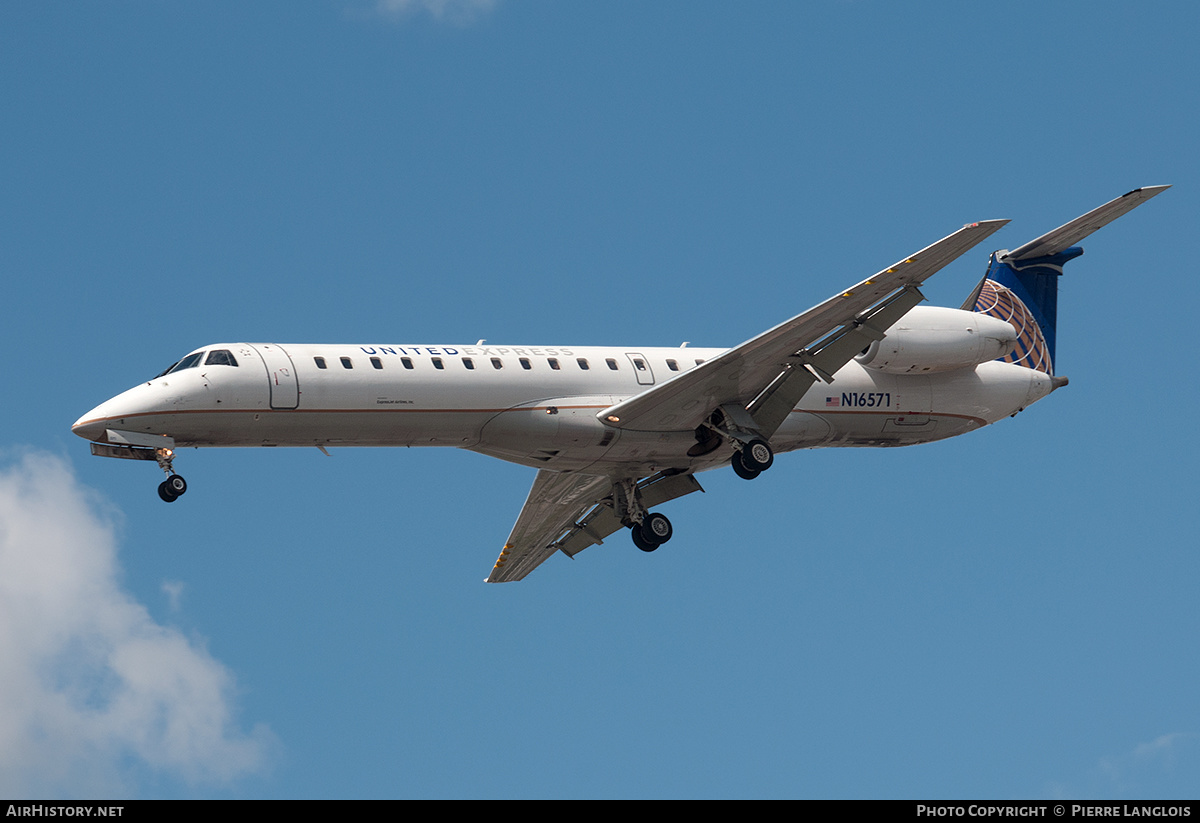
<point x="88" y="427"/>
<point x="119" y="412"/>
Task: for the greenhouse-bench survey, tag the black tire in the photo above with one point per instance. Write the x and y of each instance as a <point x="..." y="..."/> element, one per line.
<point x="636" y="533"/>
<point x="757" y="455"/>
<point x="740" y="469"/>
<point x="656" y="528"/>
<point x="165" y="493"/>
<point x="176" y="485"/>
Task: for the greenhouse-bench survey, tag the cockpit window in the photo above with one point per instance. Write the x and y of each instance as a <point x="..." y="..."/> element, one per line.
<point x="186" y="363"/>
<point x="220" y="357"/>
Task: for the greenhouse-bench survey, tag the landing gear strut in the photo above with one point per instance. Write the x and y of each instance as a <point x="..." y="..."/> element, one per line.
<point x="733" y="424"/>
<point x="649" y="530"/>
<point x="174" y="486"/>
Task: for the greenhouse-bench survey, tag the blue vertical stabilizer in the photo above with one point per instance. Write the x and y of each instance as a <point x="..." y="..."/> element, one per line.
<point x="1021" y="286"/>
<point x="1025" y="293"/>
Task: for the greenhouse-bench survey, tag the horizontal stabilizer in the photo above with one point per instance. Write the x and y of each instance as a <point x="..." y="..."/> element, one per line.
<point x="1021" y="286"/>
<point x="1068" y="235"/>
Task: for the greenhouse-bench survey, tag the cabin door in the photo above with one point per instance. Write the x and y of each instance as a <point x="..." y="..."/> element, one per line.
<point x="281" y="376"/>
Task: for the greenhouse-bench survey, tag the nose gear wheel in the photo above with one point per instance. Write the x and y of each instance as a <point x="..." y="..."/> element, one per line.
<point x="174" y="486"/>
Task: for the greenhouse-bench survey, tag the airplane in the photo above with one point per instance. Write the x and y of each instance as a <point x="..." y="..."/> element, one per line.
<point x="616" y="432"/>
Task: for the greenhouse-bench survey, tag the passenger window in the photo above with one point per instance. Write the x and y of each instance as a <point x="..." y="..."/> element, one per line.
<point x="469" y="363"/>
<point x="437" y="363"/>
<point x="497" y="363"/>
<point x="699" y="362"/>
<point x="641" y="364"/>
<point x="612" y="364"/>
<point x="376" y="362"/>
<point x="346" y="364"/>
<point x="583" y="363"/>
<point x="406" y="362"/>
<point x="320" y="361"/>
<point x="220" y="357"/>
<point x="553" y="361"/>
<point x="672" y="365"/>
<point x="525" y="363"/>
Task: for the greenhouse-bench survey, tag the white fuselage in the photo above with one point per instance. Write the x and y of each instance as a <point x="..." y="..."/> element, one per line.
<point x="532" y="405"/>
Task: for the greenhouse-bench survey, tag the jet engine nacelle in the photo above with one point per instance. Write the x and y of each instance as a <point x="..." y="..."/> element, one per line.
<point x="933" y="339"/>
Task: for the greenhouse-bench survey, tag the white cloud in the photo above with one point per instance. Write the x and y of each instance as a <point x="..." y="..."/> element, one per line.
<point x="173" y="589"/>
<point x="1153" y="768"/>
<point x="452" y="11"/>
<point x="1160" y="747"/>
<point x="92" y="689"/>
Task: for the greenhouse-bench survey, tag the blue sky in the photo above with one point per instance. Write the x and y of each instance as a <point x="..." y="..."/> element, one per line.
<point x="1007" y="614"/>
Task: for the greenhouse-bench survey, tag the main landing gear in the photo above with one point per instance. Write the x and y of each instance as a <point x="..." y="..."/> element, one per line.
<point x="731" y="423"/>
<point x="174" y="486"/>
<point x="648" y="529"/>
<point x="753" y="459"/>
<point x="654" y="530"/>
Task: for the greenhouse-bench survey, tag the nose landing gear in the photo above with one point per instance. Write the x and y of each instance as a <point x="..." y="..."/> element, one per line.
<point x="174" y="486"/>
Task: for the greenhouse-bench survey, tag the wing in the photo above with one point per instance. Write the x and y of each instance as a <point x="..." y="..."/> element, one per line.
<point x="555" y="502"/>
<point x="553" y="517"/>
<point x="768" y="374"/>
